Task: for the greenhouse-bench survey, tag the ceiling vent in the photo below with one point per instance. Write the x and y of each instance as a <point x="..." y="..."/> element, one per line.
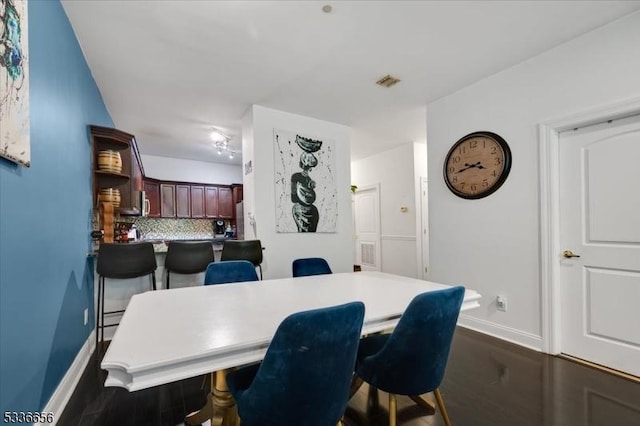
<point x="387" y="81"/>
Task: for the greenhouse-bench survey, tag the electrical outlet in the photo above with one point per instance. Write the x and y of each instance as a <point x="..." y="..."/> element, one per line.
<point x="501" y="303"/>
<point x="86" y="316"/>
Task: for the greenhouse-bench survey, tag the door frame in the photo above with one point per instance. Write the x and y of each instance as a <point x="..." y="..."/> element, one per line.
<point x="376" y="187"/>
<point x="549" y="150"/>
<point x="423" y="230"/>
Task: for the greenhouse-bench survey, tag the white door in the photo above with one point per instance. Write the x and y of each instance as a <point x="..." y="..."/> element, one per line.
<point x="600" y="222"/>
<point x="367" y="226"/>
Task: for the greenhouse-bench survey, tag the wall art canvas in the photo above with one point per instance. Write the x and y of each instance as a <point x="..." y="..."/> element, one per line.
<point x="14" y="82"/>
<point x="305" y="180"/>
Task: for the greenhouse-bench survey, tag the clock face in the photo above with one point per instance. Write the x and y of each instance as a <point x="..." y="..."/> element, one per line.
<point x="477" y="165"/>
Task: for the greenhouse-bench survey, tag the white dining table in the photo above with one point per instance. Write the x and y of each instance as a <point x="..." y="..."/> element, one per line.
<point x="170" y="335"/>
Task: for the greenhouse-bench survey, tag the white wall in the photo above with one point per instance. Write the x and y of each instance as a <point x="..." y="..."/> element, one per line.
<point x="396" y="170"/>
<point x="177" y="169"/>
<point x="493" y="245"/>
<point x="259" y="193"/>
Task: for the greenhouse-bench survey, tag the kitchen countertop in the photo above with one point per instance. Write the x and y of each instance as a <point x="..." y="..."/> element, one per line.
<point x="160" y="246"/>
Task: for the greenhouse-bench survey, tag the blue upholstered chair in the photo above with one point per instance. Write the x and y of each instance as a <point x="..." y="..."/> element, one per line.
<point x="310" y="266"/>
<point x="412" y="359"/>
<point x="305" y="375"/>
<point x="230" y="271"/>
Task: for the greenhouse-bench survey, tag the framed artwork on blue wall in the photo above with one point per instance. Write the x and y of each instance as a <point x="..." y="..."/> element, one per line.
<point x="14" y="82"/>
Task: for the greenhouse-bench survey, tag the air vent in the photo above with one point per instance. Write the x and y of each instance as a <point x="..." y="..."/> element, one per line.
<point x="387" y="81"/>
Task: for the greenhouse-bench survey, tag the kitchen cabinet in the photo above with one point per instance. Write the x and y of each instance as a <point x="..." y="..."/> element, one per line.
<point x="197" y="201"/>
<point x="167" y="200"/>
<point x="128" y="180"/>
<point x="183" y="201"/>
<point x="191" y="200"/>
<point x="226" y="208"/>
<point x="236" y="188"/>
<point x="152" y="193"/>
<point x="211" y="202"/>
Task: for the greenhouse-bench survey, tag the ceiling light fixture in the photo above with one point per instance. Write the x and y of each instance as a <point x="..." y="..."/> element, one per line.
<point x="221" y="143"/>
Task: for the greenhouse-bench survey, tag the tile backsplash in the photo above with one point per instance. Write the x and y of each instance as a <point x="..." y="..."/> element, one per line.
<point x="171" y="229"/>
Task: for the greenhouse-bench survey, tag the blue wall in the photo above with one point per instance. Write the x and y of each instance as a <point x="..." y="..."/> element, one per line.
<point x="46" y="281"/>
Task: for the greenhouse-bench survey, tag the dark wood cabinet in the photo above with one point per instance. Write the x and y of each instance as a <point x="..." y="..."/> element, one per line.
<point x="183" y="201"/>
<point x="226" y="208"/>
<point x="197" y="202"/>
<point x="128" y="179"/>
<point x="211" y="202"/>
<point x="237" y="193"/>
<point x="152" y="194"/>
<point x="187" y="200"/>
<point x="167" y="200"/>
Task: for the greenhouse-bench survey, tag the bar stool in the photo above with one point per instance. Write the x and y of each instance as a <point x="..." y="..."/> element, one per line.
<point x="250" y="250"/>
<point x="121" y="261"/>
<point x="188" y="257"/>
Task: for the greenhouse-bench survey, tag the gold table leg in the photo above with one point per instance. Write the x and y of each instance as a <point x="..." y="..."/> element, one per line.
<point x="220" y="407"/>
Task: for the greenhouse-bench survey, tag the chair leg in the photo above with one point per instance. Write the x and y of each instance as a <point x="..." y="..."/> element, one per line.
<point x="442" y="408"/>
<point x="153" y="280"/>
<point x="260" y="268"/>
<point x="168" y="273"/>
<point x="356" y="383"/>
<point x="422" y="402"/>
<point x="393" y="407"/>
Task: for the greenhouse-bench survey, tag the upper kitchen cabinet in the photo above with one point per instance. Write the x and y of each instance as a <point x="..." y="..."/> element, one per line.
<point x="237" y="193"/>
<point x="226" y="208"/>
<point x="152" y="194"/>
<point x="211" y="202"/>
<point x="183" y="200"/>
<point x="197" y="202"/>
<point x="167" y="200"/>
<point x="117" y="165"/>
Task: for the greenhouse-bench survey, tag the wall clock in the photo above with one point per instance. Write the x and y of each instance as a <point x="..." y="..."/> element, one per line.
<point x="477" y="165"/>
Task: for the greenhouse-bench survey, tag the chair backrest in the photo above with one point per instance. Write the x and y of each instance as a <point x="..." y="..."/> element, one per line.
<point x="306" y="373"/>
<point x="250" y="250"/>
<point x="230" y="271"/>
<point x="414" y="358"/>
<point x="310" y="266"/>
<point x="131" y="260"/>
<point x="188" y="257"/>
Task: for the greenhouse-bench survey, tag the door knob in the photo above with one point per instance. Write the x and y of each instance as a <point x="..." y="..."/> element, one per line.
<point x="569" y="254"/>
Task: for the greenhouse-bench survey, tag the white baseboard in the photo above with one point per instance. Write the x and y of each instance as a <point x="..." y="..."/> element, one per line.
<point x="63" y="392"/>
<point x="522" y="338"/>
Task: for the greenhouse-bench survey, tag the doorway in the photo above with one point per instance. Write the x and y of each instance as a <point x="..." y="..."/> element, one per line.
<point x="591" y="237"/>
<point x="367" y="227"/>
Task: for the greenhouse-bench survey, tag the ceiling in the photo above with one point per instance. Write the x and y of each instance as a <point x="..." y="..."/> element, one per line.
<point x="170" y="71"/>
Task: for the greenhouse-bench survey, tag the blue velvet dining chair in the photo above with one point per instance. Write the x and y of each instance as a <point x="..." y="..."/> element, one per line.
<point x="230" y="271"/>
<point x="412" y="359"/>
<point x="310" y="266"/>
<point x="305" y="375"/>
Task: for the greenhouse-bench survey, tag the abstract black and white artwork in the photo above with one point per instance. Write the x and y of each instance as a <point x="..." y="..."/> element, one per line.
<point x="14" y="82"/>
<point x="305" y="178"/>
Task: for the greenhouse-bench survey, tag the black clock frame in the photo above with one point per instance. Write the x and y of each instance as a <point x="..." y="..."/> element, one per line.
<point x="505" y="170"/>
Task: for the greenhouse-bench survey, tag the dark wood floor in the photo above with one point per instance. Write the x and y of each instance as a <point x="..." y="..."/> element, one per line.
<point x="488" y="383"/>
